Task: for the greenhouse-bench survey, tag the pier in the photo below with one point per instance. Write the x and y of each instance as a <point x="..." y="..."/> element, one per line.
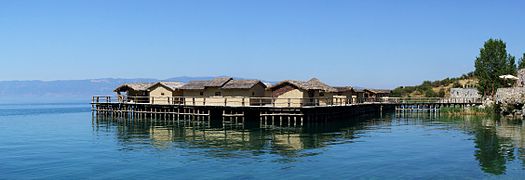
<point x="268" y="111"/>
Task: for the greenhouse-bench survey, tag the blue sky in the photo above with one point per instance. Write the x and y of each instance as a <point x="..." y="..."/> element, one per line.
<point x="365" y="43"/>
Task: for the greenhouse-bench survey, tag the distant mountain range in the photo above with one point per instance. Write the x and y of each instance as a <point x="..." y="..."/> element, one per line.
<point x="71" y="91"/>
<point x="65" y="91"/>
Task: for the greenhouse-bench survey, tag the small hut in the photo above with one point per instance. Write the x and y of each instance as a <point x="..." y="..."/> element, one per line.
<point x="133" y="92"/>
<point x="292" y="93"/>
<point x="165" y="93"/>
<point x="376" y="94"/>
<point x="344" y="95"/>
<point x="359" y="94"/>
<point x="202" y="92"/>
<point x="242" y="92"/>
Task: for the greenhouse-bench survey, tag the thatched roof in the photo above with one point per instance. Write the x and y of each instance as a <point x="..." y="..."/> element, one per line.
<point x="170" y="85"/>
<point x="379" y="91"/>
<point x="217" y="82"/>
<point x="312" y="84"/>
<point x="241" y="84"/>
<point x="315" y="83"/>
<point x="133" y="86"/>
<point x="195" y="85"/>
<point x="359" y="90"/>
<point x="344" y="89"/>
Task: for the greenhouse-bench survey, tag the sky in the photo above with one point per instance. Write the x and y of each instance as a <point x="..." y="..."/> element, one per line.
<point x="372" y="43"/>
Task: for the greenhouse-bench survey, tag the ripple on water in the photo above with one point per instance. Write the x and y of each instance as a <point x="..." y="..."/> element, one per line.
<point x="61" y="142"/>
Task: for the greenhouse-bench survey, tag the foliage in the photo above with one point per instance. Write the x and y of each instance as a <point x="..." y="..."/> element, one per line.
<point x="456" y="85"/>
<point x="521" y="62"/>
<point x="492" y="62"/>
<point x="489" y="110"/>
<point x="426" y="88"/>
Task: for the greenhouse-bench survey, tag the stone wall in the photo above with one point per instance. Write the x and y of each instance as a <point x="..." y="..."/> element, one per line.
<point x="464" y="93"/>
<point x="511" y="100"/>
<point x="510" y="95"/>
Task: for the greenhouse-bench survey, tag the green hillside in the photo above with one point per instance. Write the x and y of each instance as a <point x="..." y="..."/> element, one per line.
<point x="439" y="88"/>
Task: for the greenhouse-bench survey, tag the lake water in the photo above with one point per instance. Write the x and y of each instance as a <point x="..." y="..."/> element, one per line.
<point x="63" y="141"/>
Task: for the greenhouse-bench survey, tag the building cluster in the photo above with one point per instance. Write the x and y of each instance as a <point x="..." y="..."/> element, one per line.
<point x="226" y="91"/>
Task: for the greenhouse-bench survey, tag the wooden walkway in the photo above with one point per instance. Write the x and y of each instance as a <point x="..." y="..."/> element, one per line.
<point x="269" y="111"/>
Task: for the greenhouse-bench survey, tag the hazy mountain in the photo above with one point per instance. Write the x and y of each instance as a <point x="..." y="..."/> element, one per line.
<point x="66" y="90"/>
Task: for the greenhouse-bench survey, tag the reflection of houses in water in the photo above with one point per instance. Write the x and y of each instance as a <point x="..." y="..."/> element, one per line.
<point x="283" y="141"/>
<point x="161" y="137"/>
<point x="288" y="141"/>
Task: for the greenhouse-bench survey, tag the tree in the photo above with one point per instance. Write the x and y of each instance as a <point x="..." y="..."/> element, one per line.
<point x="521" y="62"/>
<point x="492" y="62"/>
<point x="511" y="65"/>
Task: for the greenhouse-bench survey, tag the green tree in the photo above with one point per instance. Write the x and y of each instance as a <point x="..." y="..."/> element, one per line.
<point x="492" y="62"/>
<point x="521" y="62"/>
<point x="511" y="65"/>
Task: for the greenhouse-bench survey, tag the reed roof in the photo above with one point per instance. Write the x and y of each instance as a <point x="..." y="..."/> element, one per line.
<point x="133" y="86"/>
<point x="170" y="85"/>
<point x="344" y="88"/>
<point x="379" y="91"/>
<point x="242" y="84"/>
<point x="202" y="84"/>
<point x="312" y="84"/>
<point x="359" y="90"/>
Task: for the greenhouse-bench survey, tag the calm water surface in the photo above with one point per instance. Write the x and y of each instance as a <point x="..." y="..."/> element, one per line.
<point x="62" y="141"/>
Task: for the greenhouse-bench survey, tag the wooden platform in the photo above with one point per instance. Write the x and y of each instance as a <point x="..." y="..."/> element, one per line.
<point x="268" y="114"/>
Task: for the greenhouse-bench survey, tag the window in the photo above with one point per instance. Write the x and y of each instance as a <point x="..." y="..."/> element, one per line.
<point x="310" y="93"/>
<point x="321" y="93"/>
<point x="253" y="93"/>
<point x="217" y="93"/>
<point x="162" y="94"/>
<point x="202" y="93"/>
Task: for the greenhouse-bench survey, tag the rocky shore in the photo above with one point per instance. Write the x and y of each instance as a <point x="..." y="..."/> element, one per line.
<point x="511" y="101"/>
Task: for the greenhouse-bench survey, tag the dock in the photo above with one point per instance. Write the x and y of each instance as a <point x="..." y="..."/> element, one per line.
<point x="264" y="110"/>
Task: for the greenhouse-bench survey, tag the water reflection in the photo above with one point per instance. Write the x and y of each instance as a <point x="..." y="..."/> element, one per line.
<point x="285" y="141"/>
<point x="498" y="142"/>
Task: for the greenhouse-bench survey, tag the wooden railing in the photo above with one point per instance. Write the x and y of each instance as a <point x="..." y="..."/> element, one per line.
<point x="432" y="100"/>
<point x="235" y="101"/>
<point x="228" y="101"/>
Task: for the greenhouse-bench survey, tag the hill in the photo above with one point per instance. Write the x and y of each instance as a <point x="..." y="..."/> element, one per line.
<point x="439" y="88"/>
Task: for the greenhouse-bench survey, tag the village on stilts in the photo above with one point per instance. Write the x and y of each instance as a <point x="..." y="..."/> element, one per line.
<point x="235" y="101"/>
